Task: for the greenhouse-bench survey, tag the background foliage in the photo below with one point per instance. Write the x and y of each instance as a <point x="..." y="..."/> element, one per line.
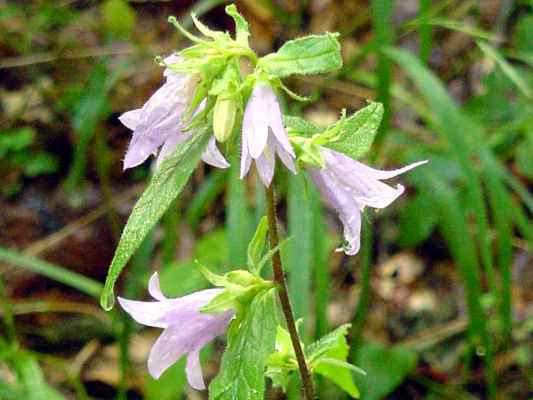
<point x="440" y="297"/>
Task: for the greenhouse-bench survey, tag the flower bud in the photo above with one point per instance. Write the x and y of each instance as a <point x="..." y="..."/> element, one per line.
<point x="242" y="278"/>
<point x="224" y="118"/>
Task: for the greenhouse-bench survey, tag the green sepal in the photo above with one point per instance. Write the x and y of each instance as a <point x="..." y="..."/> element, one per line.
<point x="312" y="54"/>
<point x="214" y="279"/>
<point x="307" y="151"/>
<point x="174" y="21"/>
<point x="215" y="35"/>
<point x="241" y="25"/>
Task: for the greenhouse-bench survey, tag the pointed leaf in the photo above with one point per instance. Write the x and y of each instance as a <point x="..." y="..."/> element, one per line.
<point x="249" y="345"/>
<point x="314" y="54"/>
<point x="358" y="131"/>
<point x="166" y="184"/>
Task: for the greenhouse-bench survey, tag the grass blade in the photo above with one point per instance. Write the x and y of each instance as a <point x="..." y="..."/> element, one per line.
<point x="238" y="218"/>
<point x="57" y="273"/>
<point x="300" y="248"/>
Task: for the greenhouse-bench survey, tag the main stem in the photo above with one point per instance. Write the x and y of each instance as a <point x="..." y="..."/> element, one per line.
<point x="279" y="278"/>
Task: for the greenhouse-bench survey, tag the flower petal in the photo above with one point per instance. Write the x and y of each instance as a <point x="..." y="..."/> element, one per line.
<point x="140" y="148"/>
<point x="168" y="349"/>
<point x="154" y="288"/>
<point x="266" y="162"/>
<point x="213" y="156"/>
<point x="341" y="199"/>
<point x="255" y="122"/>
<point x="246" y="159"/>
<point x="130" y="119"/>
<point x="194" y="371"/>
<point x="185" y="337"/>
<point x="277" y="128"/>
<point x="170" y="145"/>
<point x="285" y="157"/>
<point x="352" y="232"/>
<point x="161" y="314"/>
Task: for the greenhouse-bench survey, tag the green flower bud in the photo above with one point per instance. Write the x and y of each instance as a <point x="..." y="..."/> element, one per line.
<point x="224" y="118"/>
<point x="242" y="278"/>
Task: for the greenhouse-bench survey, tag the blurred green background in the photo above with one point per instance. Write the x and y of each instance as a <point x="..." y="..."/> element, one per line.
<point x="440" y="296"/>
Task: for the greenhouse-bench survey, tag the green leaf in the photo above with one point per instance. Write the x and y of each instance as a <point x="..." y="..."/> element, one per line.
<point x="32" y="378"/>
<point x="166" y="184"/>
<point x="341" y="376"/>
<point x="314" y="54"/>
<point x="327" y="357"/>
<point x="257" y="244"/>
<point x="328" y="353"/>
<point x="59" y="274"/>
<point x="118" y="18"/>
<point x="241" y="26"/>
<point x="249" y="345"/>
<point x="358" y="131"/>
<point x="300" y="126"/>
<point x="386" y="368"/>
<point x="332" y="344"/>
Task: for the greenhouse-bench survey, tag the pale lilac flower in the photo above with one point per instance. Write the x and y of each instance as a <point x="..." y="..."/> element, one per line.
<point x="263" y="134"/>
<point x="348" y="186"/>
<point x="186" y="329"/>
<point x="158" y="125"/>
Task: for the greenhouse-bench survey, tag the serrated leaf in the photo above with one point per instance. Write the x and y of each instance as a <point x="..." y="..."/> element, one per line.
<point x="241" y="25"/>
<point x="314" y="54"/>
<point x="358" y="131"/>
<point x="328" y="354"/>
<point x="333" y="344"/>
<point x="300" y="126"/>
<point x="249" y="345"/>
<point x="257" y="244"/>
<point x="166" y="184"/>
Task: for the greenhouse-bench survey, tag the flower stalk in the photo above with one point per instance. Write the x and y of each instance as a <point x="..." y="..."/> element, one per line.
<point x="279" y="279"/>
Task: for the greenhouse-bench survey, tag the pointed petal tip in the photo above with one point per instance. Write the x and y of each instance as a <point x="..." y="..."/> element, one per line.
<point x="154" y="287"/>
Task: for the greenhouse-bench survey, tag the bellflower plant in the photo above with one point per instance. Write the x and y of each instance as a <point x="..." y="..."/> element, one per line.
<point x="263" y="134"/>
<point x="349" y="186"/>
<point x="208" y="98"/>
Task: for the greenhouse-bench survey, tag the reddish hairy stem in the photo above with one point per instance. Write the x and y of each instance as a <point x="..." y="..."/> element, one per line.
<point x="279" y="278"/>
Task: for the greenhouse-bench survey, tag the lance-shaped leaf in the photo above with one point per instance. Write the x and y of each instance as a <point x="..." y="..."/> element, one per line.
<point x="249" y="344"/>
<point x="314" y="54"/>
<point x="358" y="131"/>
<point x="165" y="185"/>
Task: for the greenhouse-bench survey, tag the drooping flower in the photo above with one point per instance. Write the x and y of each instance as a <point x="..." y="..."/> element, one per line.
<point x="158" y="125"/>
<point x="186" y="329"/>
<point x="349" y="186"/>
<point x="263" y="134"/>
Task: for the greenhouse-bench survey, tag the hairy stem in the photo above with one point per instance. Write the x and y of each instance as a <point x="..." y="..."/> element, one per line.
<point x="279" y="278"/>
